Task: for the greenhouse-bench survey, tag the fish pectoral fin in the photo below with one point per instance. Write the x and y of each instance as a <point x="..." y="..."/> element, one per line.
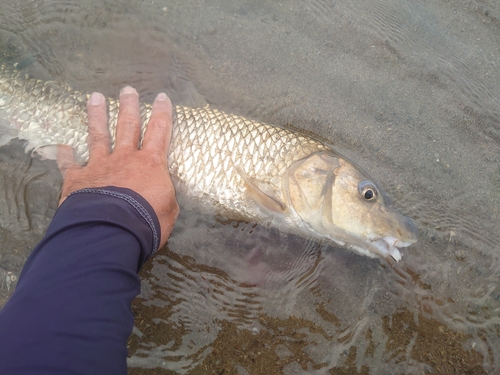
<point x="48" y="152"/>
<point x="267" y="200"/>
<point x="327" y="197"/>
<point x="64" y="154"/>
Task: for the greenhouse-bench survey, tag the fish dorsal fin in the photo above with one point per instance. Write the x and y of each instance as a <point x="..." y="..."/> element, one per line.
<point x="257" y="193"/>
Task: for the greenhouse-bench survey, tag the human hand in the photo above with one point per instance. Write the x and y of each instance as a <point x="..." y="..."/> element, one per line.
<point x="142" y="170"/>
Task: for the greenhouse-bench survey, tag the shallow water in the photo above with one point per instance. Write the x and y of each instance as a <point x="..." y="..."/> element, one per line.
<point x="408" y="90"/>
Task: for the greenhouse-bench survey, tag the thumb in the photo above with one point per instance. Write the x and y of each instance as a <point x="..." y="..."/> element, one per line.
<point x="65" y="159"/>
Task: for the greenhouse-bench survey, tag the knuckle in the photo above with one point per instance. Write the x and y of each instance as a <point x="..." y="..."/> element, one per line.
<point x="129" y="119"/>
<point x="159" y="122"/>
<point x="98" y="138"/>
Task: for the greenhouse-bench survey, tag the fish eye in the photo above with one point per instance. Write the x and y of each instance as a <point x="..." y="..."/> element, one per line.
<point x="368" y="190"/>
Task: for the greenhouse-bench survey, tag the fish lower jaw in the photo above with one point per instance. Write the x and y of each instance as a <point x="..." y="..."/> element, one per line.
<point x="376" y="247"/>
<point x="390" y="246"/>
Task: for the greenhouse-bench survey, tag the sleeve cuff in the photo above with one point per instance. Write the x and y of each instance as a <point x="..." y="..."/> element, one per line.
<point x="113" y="205"/>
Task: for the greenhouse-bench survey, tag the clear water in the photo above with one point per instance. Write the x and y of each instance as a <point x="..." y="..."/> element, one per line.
<point x="410" y="90"/>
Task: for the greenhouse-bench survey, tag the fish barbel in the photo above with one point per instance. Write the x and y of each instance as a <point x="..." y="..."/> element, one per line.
<point x="262" y="173"/>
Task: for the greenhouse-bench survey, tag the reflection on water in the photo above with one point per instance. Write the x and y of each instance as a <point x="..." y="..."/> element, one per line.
<point x="410" y="90"/>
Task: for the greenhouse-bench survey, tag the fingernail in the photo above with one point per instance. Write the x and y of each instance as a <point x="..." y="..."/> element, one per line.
<point x="128" y="90"/>
<point x="161" y="97"/>
<point x="96" y="98"/>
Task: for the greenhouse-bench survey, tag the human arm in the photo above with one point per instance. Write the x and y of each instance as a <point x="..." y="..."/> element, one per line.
<point x="70" y="312"/>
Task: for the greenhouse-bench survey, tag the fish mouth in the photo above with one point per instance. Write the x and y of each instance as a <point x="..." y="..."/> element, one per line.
<point x="390" y="246"/>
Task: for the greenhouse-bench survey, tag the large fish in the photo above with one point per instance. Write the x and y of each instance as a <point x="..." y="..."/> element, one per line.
<point x="259" y="172"/>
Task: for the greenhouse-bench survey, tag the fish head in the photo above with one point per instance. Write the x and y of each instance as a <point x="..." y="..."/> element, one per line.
<point x="338" y="201"/>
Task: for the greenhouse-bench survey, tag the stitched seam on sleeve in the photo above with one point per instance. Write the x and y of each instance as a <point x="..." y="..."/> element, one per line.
<point x="134" y="203"/>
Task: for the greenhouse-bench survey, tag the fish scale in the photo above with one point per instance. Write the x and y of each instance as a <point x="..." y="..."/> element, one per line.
<point x="254" y="171"/>
<point x="196" y="137"/>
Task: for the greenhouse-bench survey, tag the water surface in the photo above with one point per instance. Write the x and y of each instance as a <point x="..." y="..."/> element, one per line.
<point x="410" y="90"/>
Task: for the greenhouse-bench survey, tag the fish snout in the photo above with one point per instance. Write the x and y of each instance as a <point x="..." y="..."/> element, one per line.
<point x="407" y="231"/>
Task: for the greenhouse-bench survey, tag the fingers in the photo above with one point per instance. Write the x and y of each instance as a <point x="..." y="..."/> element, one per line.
<point x="158" y="133"/>
<point x="128" y="128"/>
<point x="99" y="139"/>
<point x="159" y="130"/>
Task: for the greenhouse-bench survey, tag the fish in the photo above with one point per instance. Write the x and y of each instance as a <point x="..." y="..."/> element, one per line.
<point x="276" y="176"/>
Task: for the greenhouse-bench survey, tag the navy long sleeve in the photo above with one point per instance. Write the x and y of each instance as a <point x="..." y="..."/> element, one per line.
<point x="70" y="312"/>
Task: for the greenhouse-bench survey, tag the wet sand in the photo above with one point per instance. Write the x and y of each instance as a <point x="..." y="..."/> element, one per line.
<point x="408" y="90"/>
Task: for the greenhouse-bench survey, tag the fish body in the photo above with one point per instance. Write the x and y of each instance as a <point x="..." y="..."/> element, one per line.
<point x="257" y="171"/>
